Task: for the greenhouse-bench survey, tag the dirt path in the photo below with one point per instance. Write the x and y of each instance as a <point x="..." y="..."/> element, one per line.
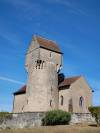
<point x="56" y="129"/>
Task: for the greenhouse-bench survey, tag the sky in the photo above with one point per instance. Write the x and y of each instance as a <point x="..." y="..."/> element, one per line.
<point x="73" y="24"/>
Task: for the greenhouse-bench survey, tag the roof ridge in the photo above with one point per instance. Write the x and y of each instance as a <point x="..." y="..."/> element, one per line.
<point x="73" y="77"/>
<point x="42" y="37"/>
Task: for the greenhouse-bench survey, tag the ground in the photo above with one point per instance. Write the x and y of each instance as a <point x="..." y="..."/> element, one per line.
<point x="56" y="129"/>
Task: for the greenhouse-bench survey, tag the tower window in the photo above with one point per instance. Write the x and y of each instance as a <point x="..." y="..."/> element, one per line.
<point x="62" y="100"/>
<point x="39" y="64"/>
<point x="81" y="100"/>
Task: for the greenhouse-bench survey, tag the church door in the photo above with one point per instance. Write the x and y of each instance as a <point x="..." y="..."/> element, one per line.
<point x="70" y="106"/>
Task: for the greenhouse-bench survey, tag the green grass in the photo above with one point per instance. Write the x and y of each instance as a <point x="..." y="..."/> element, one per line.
<point x="56" y="129"/>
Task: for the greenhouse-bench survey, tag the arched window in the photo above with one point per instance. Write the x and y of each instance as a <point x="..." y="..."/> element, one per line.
<point x="81" y="101"/>
<point x="62" y="100"/>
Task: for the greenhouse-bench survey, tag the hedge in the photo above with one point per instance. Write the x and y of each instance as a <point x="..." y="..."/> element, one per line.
<point x="56" y="117"/>
<point x="95" y="111"/>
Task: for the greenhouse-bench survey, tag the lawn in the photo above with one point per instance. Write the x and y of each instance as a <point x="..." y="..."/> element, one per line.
<point x="56" y="129"/>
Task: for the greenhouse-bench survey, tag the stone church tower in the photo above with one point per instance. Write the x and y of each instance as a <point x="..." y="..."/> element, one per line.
<point x="43" y="63"/>
<point x="47" y="88"/>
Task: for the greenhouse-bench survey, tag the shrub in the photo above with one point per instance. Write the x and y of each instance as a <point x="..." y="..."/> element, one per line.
<point x="95" y="111"/>
<point x="56" y="117"/>
<point x="5" y="115"/>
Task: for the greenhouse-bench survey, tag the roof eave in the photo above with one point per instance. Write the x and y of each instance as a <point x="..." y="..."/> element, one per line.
<point x="61" y="87"/>
<point x="19" y="93"/>
<point x="51" y="50"/>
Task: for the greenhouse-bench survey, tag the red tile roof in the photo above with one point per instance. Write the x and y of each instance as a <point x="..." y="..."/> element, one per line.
<point x="68" y="81"/>
<point x="47" y="44"/>
<point x="21" y="90"/>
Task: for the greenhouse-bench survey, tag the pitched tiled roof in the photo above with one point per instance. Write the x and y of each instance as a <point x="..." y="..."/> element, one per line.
<point x="47" y="44"/>
<point x="68" y="81"/>
<point x="21" y="90"/>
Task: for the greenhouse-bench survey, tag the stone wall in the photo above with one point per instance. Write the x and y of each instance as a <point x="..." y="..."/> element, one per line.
<point x="22" y="120"/>
<point x="82" y="118"/>
<point x="19" y="103"/>
<point x="42" y="66"/>
<point x="71" y="97"/>
<point x="27" y="120"/>
<point x="78" y="89"/>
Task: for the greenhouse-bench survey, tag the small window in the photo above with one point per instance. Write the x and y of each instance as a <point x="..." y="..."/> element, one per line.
<point x="22" y="107"/>
<point x="50" y="54"/>
<point x="81" y="100"/>
<point x="62" y="100"/>
<point x="51" y="89"/>
<point x="50" y="103"/>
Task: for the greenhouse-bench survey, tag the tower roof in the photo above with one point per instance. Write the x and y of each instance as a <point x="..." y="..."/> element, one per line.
<point x="47" y="44"/>
<point x="68" y="81"/>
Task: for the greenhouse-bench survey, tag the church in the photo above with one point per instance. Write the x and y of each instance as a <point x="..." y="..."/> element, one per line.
<point x="47" y="88"/>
